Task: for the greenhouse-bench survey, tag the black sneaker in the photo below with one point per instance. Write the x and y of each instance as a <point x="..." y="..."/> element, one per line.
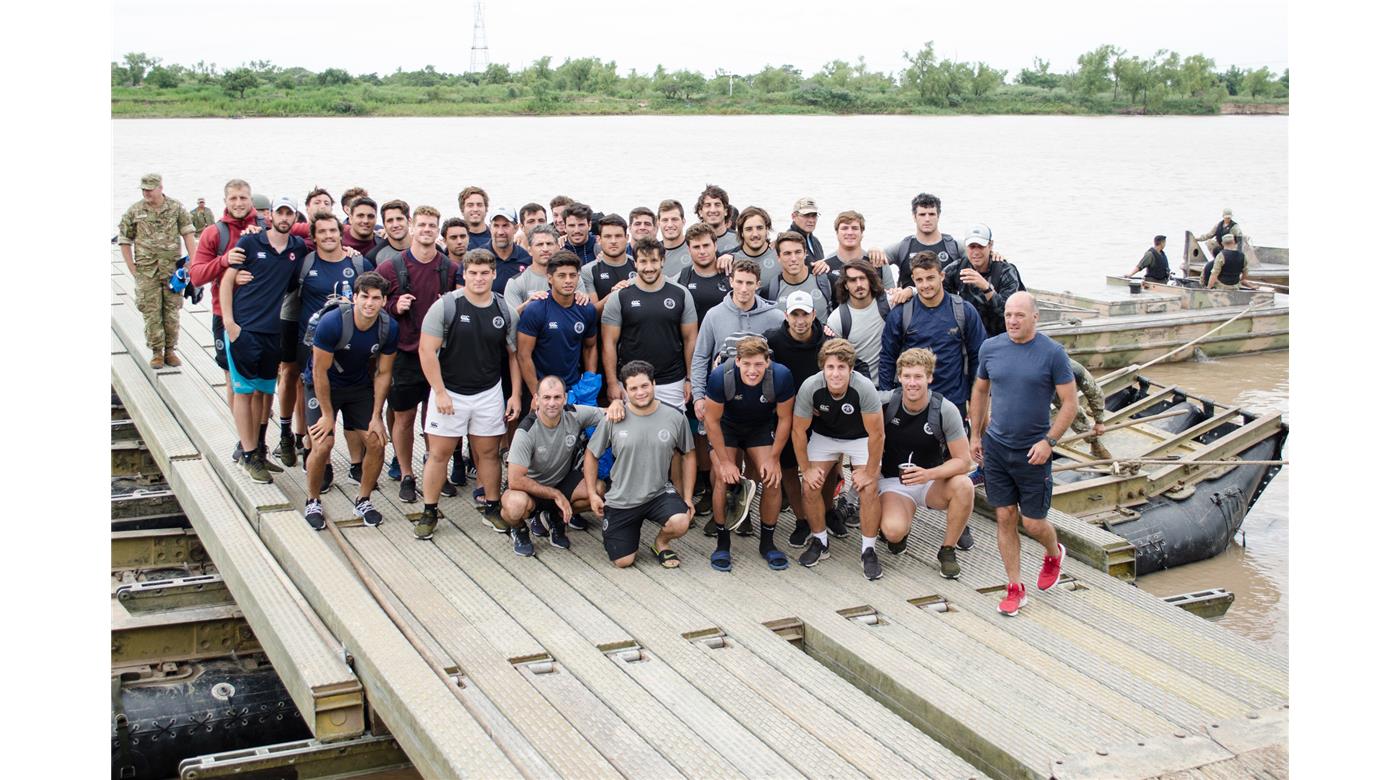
<point x="816" y="551"/>
<point x="287" y="450"/>
<point x="315" y="516"/>
<point x="703" y="505"/>
<point x="394" y="471"/>
<point x="965" y="541"/>
<point x="449" y="490"/>
<point x="711" y="528"/>
<point x="800" y="533"/>
<point x="897" y="548"/>
<point x="578" y="522"/>
<point x="357" y="470"/>
<point x="521" y="541"/>
<point x="408" y="490"/>
<point x="537" y="525"/>
<point x="305" y="458"/>
<point x="459" y="470"/>
<point x="870" y="563"/>
<point x="365" y="510"/>
<point x="948" y="563"/>
<point x="427" y="523"/>
<point x="836" y="524"/>
<point x="327" y="478"/>
<point x="557" y="536"/>
<point x="238" y="452"/>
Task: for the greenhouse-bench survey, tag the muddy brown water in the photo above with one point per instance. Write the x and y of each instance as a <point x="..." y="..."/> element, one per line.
<point x="1255" y="565"/>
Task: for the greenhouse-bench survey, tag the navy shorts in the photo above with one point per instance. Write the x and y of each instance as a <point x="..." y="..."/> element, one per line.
<point x="290" y="341"/>
<point x="255" y="359"/>
<point x="622" y="528"/>
<point x="747" y="436"/>
<point x="217" y="326"/>
<point x="1011" y="481"/>
<point x="355" y="405"/>
<point x="410" y="387"/>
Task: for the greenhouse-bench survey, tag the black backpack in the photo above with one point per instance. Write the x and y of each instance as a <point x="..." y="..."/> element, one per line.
<point x="842" y="316"/>
<point x="959" y="318"/>
<point x="731" y="381"/>
<point x="401" y="272"/>
<point x="347" y="327"/>
<point x="291" y="302"/>
<point x="932" y="417"/>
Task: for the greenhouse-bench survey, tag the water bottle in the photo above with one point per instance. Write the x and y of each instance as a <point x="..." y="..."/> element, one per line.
<point x="343" y="289"/>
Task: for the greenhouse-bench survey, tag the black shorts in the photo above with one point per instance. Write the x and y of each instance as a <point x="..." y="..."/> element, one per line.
<point x="303" y="357"/>
<point x="355" y="405"/>
<point x="1011" y="481"/>
<point x="746" y="437"/>
<point x="255" y="355"/>
<point x="622" y="528"/>
<point x="788" y="457"/>
<point x="410" y="387"/>
<point x="290" y="341"/>
<point x="567" y="486"/>
<point x="217" y="326"/>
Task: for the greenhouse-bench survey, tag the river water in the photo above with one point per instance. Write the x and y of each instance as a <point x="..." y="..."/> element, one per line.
<point x="1069" y="199"/>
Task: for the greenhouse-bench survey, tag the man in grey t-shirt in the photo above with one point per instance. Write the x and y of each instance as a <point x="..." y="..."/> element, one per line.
<point x="543" y="471"/>
<point x="643" y="444"/>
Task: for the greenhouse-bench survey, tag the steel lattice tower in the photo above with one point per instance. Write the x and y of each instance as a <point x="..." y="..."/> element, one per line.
<point x="479" y="53"/>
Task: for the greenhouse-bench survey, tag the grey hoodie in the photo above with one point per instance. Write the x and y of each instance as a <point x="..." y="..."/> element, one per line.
<point x="721" y="331"/>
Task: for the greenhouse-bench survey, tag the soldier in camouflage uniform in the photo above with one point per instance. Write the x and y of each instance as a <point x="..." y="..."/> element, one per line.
<point x="154" y="226"/>
<point x="201" y="217"/>
<point x="1093" y="402"/>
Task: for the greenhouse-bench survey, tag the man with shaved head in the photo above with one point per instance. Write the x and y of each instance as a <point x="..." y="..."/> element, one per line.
<point x="1024" y="370"/>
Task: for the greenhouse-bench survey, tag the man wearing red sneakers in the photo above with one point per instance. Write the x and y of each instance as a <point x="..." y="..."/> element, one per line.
<point x="1025" y="370"/>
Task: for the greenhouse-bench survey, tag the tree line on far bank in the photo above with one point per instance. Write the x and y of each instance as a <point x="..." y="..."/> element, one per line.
<point x="1105" y="80"/>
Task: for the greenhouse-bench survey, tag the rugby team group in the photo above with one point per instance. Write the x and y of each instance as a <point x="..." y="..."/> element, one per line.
<point x="637" y="369"/>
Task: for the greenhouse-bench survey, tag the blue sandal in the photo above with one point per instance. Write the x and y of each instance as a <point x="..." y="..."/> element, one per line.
<point x="777" y="560"/>
<point x="720" y="560"/>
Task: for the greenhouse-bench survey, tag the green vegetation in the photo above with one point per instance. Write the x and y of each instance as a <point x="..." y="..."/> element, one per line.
<point x="1106" y="81"/>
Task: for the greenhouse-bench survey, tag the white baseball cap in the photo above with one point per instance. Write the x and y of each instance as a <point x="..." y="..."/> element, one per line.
<point x="799" y="301"/>
<point x="284" y="202"/>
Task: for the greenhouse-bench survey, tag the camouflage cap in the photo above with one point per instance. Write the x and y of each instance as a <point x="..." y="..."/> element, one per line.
<point x="262" y="202"/>
<point x="150" y="181"/>
<point x="804" y="206"/>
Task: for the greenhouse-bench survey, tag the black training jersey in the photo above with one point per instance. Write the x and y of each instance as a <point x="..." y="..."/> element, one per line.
<point x="706" y="291"/>
<point x="837" y="418"/>
<point x="911" y="438"/>
<point x="650" y="324"/>
<point x="475" y="341"/>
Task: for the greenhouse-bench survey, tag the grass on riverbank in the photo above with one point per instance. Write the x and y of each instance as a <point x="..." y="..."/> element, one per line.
<point x="507" y="100"/>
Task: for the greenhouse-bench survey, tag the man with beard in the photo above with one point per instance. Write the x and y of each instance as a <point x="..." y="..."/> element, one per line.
<point x="511" y="259"/>
<point x="578" y="233"/>
<point x="861" y="308"/>
<point x="651" y="320"/>
<point x="983" y="279"/>
<point x="472" y="202"/>
<point x="253" y="327"/>
<point x="613" y="268"/>
<point x="701" y="276"/>
<point x="927" y="210"/>
<point x="754" y="225"/>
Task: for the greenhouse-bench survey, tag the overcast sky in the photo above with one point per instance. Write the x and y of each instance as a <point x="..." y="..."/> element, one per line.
<point x="375" y="35"/>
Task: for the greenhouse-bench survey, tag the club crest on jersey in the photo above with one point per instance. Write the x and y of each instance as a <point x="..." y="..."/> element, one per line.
<point x="373" y="349"/>
<point x="347" y="272"/>
<point x="663" y="435"/>
<point x="847" y="409"/>
<point x="724" y="288"/>
<point x="578" y="327"/>
<point x="669" y="303"/>
<point x="498" y="321"/>
<point x="943" y="256"/>
<point x="570" y="440"/>
<point x="928" y="428"/>
<point x="312" y="403"/>
<point x="763" y="399"/>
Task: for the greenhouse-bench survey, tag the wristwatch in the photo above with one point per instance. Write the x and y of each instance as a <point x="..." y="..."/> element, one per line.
<point x="1052" y="441"/>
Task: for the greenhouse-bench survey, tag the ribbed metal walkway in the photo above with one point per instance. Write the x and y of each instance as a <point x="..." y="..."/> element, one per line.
<point x="574" y="668"/>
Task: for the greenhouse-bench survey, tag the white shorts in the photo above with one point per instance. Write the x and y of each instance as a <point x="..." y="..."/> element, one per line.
<point x="478" y="414"/>
<point x="672" y="394"/>
<point x="916" y="493"/>
<point x="823" y="449"/>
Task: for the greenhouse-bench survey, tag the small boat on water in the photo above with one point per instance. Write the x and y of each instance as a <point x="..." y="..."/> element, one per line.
<point x="1187" y="470"/>
<point x="1265" y="264"/>
<point x="1121" y="327"/>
